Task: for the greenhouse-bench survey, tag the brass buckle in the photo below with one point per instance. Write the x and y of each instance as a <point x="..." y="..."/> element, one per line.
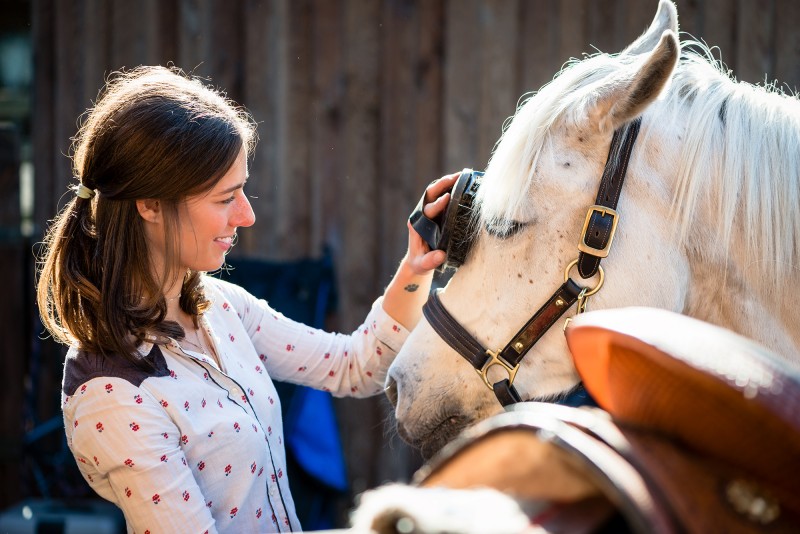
<point x="495" y="359"/>
<point x="603" y="211"/>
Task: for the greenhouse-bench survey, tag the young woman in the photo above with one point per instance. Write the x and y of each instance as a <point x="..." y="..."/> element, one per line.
<point x="168" y="401"/>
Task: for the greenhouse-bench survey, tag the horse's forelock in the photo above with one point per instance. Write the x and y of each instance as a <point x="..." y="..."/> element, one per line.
<point x="513" y="164"/>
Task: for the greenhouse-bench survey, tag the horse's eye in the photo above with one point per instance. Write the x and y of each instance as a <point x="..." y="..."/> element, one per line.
<point x="503" y="229"/>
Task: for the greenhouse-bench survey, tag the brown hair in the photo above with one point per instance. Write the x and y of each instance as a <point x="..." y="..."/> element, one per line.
<point x="153" y="133"/>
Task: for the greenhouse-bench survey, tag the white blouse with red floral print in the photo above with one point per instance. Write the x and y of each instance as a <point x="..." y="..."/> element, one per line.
<point x="187" y="447"/>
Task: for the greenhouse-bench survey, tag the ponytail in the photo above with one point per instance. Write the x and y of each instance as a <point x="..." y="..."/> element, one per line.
<point x="66" y="290"/>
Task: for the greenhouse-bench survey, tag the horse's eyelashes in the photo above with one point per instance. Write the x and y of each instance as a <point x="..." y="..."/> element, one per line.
<point x="503" y="229"/>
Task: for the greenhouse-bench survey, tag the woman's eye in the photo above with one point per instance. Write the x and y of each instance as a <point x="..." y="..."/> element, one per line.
<point x="229" y="200"/>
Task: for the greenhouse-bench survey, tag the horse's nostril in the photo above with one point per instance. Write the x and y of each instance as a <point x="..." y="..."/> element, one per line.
<point x="391" y="392"/>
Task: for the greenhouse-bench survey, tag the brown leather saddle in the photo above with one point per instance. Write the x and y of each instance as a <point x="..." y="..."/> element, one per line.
<point x="699" y="432"/>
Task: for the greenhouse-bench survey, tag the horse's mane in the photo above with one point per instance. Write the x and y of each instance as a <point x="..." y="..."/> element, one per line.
<point x="741" y="144"/>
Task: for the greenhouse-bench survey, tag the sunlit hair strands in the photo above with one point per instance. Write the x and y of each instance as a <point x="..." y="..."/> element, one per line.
<point x="153" y="133"/>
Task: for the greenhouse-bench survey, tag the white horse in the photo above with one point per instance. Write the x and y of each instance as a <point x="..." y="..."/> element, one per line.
<point x="709" y="222"/>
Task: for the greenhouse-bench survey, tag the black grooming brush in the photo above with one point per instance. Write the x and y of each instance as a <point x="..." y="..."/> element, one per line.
<point x="451" y="231"/>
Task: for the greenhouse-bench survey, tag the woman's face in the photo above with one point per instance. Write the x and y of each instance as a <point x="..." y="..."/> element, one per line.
<point x="208" y="221"/>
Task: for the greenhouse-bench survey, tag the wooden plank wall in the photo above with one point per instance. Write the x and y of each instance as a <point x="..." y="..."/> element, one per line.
<point x="16" y="304"/>
<point x="360" y="103"/>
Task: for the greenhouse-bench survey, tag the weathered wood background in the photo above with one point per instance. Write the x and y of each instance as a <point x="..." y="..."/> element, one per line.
<point x="360" y="103"/>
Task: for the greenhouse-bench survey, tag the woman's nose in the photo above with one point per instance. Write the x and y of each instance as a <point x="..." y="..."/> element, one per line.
<point x="244" y="213"/>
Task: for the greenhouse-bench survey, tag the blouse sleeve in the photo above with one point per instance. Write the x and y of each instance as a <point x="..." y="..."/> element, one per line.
<point x="128" y="450"/>
<point x="346" y="365"/>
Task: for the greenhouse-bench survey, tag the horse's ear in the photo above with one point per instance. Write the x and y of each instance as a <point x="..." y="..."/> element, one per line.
<point x="626" y="95"/>
<point x="666" y="19"/>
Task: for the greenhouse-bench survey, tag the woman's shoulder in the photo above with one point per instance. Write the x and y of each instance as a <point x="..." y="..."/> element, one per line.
<point x="82" y="366"/>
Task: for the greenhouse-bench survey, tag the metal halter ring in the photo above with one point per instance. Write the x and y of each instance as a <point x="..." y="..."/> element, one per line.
<point x="495" y="359"/>
<point x="593" y="290"/>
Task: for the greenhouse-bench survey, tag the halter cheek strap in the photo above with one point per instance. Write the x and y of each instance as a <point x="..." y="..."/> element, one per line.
<point x="601" y="219"/>
<point x="510" y="356"/>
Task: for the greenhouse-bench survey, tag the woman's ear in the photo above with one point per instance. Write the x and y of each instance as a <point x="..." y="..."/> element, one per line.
<point x="149" y="209"/>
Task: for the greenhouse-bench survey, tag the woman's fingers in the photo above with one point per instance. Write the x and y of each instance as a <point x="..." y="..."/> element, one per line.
<point x="437" y="195"/>
<point x="432" y="209"/>
<point x="421" y="258"/>
<point x="433" y="259"/>
<point x="440" y="186"/>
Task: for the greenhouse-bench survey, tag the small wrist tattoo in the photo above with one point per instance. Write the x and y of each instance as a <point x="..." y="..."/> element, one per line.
<point x="411" y="287"/>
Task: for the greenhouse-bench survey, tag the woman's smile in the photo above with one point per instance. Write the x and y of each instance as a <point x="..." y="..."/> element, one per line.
<point x="226" y="243"/>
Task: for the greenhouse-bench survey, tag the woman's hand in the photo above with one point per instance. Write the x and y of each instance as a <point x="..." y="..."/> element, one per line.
<point x="408" y="290"/>
<point x="420" y="258"/>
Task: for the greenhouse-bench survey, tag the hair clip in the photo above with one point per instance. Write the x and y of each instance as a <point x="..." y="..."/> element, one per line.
<point x="84" y="192"/>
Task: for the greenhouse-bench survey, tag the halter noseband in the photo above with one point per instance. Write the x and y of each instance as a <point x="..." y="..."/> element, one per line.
<point x="595" y="242"/>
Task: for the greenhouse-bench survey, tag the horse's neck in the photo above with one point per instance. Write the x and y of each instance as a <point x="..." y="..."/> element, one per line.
<point x="730" y="300"/>
<point x="725" y="286"/>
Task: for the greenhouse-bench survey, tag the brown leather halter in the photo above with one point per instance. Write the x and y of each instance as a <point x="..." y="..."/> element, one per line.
<point x="595" y="243"/>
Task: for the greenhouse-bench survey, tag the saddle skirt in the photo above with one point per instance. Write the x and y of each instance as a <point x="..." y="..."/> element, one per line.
<point x="699" y="431"/>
